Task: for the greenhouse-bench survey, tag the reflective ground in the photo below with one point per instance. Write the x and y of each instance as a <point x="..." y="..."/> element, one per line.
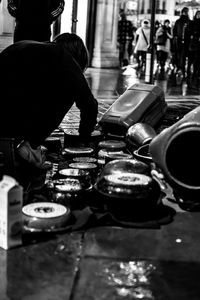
<point x="113" y="82"/>
<point x="109" y="83"/>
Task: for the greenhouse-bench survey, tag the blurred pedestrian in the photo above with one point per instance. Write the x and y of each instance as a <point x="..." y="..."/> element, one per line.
<point x="33" y="18"/>
<point x="142" y="42"/>
<point x="163" y="37"/>
<point x="194" y="48"/>
<point x="157" y="25"/>
<point x="181" y="39"/>
<point x="125" y="39"/>
<point x="41" y="81"/>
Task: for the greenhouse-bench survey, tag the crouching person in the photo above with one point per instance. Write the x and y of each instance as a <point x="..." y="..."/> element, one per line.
<point x="41" y="81"/>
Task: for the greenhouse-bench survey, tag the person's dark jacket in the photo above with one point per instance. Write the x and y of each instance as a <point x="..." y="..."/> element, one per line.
<point x="181" y="32"/>
<point x="34" y="17"/>
<point x="40" y="82"/>
<point x="195" y="35"/>
<point x="125" y="31"/>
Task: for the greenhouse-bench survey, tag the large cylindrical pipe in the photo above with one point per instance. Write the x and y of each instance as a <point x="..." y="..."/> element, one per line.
<point x="176" y="151"/>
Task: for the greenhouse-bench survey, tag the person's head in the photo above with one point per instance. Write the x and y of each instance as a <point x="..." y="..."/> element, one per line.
<point x="122" y="15"/>
<point x="75" y="46"/>
<point x="145" y="23"/>
<point x="157" y="23"/>
<point x="166" y="23"/>
<point x="185" y="11"/>
<point x="197" y="15"/>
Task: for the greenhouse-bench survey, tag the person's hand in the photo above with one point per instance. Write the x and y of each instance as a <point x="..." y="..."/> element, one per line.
<point x="35" y="157"/>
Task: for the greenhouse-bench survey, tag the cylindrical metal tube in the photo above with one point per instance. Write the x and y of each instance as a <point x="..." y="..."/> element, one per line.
<point x="176" y="151"/>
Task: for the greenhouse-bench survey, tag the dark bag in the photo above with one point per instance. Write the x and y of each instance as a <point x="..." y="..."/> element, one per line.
<point x="194" y="43"/>
<point x="161" y="39"/>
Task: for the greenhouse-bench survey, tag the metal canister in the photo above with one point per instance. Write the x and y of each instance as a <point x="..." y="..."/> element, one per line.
<point x="140" y="134"/>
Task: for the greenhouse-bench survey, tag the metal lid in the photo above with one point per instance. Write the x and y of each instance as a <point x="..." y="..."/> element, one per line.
<point x="52" y="139"/>
<point x="45" y="217"/>
<point x="44" y="210"/>
<point x="112" y="144"/>
<point x="85" y="159"/>
<point x="128" y="185"/>
<point x="113" y="155"/>
<point x="68" y="185"/>
<point x="82" y="165"/>
<point x="104" y="152"/>
<point x="78" y="150"/>
<point x="73" y="172"/>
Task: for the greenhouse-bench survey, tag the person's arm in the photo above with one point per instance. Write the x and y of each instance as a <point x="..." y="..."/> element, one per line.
<point x="191" y="29"/>
<point x="57" y="7"/>
<point x="12" y="8"/>
<point x="130" y="30"/>
<point x="175" y="37"/>
<point x="80" y="93"/>
<point x="119" y="32"/>
<point x="174" y="30"/>
<point x="88" y="107"/>
<point x="169" y="34"/>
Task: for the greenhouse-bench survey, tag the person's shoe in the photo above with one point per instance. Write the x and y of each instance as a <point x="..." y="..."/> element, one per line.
<point x="36" y="157"/>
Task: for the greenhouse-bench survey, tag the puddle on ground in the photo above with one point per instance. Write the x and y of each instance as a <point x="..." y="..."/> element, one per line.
<point x="131" y="279"/>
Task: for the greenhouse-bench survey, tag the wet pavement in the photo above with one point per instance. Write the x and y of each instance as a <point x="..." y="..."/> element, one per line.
<point x="110" y="83"/>
<point x="107" y="263"/>
<point x="113" y="82"/>
<point x="111" y="262"/>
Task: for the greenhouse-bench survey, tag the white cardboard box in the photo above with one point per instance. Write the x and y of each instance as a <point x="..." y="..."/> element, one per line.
<point x="11" y="198"/>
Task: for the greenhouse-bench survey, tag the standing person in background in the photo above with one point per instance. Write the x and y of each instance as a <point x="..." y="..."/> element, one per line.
<point x="163" y="34"/>
<point x="33" y="18"/>
<point x="125" y="39"/>
<point x="181" y="39"/>
<point x="142" y="42"/>
<point x="194" y="48"/>
<point x="157" y="25"/>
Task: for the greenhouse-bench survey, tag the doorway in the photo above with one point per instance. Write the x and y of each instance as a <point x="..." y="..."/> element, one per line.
<point x="74" y="17"/>
<point x="6" y="21"/>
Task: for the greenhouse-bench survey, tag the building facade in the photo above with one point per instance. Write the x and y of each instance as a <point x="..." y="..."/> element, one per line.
<point x="96" y="22"/>
<point x="6" y="21"/>
<point x="137" y="10"/>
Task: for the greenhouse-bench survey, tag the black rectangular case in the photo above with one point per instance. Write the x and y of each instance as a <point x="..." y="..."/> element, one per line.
<point x="139" y="103"/>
